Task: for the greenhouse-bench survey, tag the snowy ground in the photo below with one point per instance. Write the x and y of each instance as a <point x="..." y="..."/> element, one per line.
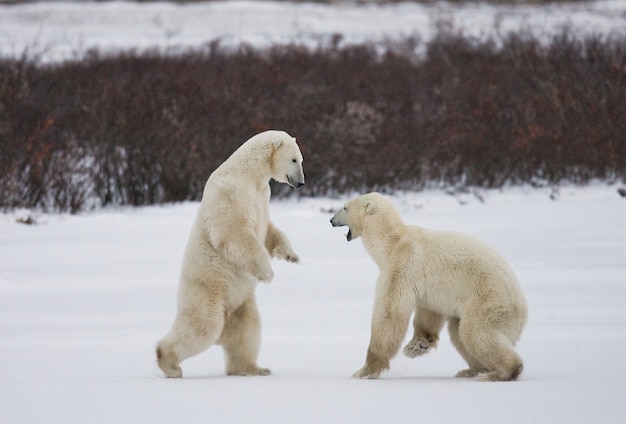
<point x="83" y="300"/>
<point x="56" y="31"/>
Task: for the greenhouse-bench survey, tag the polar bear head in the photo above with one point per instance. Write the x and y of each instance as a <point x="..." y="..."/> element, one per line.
<point x="270" y="154"/>
<point x="370" y="210"/>
<point x="286" y="160"/>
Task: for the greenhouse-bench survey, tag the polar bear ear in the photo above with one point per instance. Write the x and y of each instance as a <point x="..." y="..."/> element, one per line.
<point x="369" y="206"/>
<point x="277" y="143"/>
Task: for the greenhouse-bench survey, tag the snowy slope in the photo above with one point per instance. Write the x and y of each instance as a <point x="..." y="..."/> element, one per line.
<point x="83" y="300"/>
<point x="56" y="31"/>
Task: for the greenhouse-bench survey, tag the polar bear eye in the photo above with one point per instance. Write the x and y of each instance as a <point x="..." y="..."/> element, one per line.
<point x="294" y="161"/>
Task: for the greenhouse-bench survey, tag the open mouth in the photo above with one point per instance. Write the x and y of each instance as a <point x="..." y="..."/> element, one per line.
<point x="293" y="183"/>
<point x="349" y="235"/>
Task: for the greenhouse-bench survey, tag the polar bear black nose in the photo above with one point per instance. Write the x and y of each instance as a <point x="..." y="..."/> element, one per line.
<point x="299" y="184"/>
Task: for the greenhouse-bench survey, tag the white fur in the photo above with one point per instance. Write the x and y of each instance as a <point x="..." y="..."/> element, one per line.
<point x="440" y="276"/>
<point x="229" y="249"/>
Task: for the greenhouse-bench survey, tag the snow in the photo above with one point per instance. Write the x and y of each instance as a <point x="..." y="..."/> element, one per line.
<point x="55" y="31"/>
<point x="84" y="299"/>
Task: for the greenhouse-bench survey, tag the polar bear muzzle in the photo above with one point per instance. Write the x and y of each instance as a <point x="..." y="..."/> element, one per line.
<point x="340" y="220"/>
<point x="295" y="182"/>
<point x="294" y="174"/>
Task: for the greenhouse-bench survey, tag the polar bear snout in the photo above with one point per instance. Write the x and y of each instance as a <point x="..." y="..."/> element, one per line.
<point x="340" y="220"/>
<point x="294" y="174"/>
<point x="296" y="182"/>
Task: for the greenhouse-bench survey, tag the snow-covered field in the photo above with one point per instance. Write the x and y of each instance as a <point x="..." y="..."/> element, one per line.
<point x="56" y="31"/>
<point x="83" y="300"/>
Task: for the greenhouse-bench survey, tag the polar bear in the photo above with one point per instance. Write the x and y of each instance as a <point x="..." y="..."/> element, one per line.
<point x="229" y="250"/>
<point x="441" y="276"/>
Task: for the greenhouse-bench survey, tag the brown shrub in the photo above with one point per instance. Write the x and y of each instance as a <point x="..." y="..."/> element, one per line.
<point x="147" y="128"/>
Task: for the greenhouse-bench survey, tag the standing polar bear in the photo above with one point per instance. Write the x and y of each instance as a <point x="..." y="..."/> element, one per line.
<point x="440" y="276"/>
<point x="229" y="249"/>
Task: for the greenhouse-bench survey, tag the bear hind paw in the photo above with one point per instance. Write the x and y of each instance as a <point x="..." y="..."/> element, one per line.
<point x="250" y="372"/>
<point x="418" y="347"/>
<point x="468" y="373"/>
<point x="501" y="375"/>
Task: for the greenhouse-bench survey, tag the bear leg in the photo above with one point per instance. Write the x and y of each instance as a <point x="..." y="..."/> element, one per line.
<point x="494" y="350"/>
<point x="374" y="365"/>
<point x="167" y="361"/>
<point x="194" y="331"/>
<point x="389" y="324"/>
<point x="278" y="246"/>
<point x="475" y="366"/>
<point x="427" y="325"/>
<point x="241" y="340"/>
<point x="508" y="374"/>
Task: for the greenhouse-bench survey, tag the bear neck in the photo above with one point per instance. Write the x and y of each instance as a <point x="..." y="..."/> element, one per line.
<point x="380" y="236"/>
<point x="252" y="161"/>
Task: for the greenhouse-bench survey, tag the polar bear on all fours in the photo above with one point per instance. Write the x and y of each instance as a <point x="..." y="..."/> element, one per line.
<point x="229" y="249"/>
<point x="440" y="276"/>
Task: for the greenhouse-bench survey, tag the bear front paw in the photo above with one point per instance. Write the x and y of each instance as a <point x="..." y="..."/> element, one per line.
<point x="365" y="372"/>
<point x="417" y="347"/>
<point x="293" y="258"/>
<point x="167" y="362"/>
<point x="265" y="276"/>
<point x="263" y="272"/>
<point x="286" y="254"/>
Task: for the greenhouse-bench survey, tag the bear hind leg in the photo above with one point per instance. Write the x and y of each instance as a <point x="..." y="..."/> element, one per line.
<point x="475" y="366"/>
<point x="241" y="340"/>
<point x="193" y="332"/>
<point x="494" y="350"/>
<point x="509" y="369"/>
